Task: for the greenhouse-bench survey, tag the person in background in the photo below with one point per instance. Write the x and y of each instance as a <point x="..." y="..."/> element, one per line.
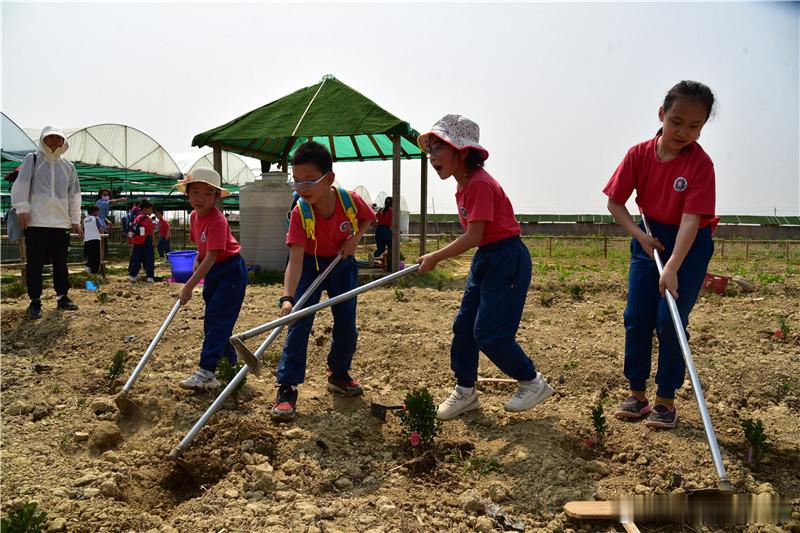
<point x="47" y="199"/>
<point x="383" y="229"/>
<point x="91" y="240"/>
<point x="140" y="235"/>
<point x="163" y="234"/>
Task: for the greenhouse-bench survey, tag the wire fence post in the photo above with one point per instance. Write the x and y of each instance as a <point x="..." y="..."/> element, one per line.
<point x="723" y="248"/>
<point x="605" y="246"/>
<point x="747" y="249"/>
<point x="550" y="247"/>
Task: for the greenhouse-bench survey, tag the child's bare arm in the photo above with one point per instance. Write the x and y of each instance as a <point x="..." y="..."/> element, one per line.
<point x="683" y="242"/>
<point x="205" y="265"/>
<point x="470" y="239"/>
<point x="624" y="219"/>
<point x="291" y="277"/>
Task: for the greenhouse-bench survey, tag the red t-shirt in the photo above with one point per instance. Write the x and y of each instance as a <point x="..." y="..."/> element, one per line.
<point x="331" y="232"/>
<point x="145" y="222"/>
<point x="666" y="189"/>
<point x="212" y="232"/>
<point x="384" y="217"/>
<point x="163" y="227"/>
<point x="483" y="199"/>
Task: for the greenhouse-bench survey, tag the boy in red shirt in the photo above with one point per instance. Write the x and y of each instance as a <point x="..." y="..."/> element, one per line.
<point x="674" y="182"/>
<point x="163" y="234"/>
<point x="142" y="239"/>
<point x="499" y="276"/>
<point x="308" y="256"/>
<point x="219" y="262"/>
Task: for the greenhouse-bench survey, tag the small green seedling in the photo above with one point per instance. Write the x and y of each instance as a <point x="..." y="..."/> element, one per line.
<point x="546" y="300"/>
<point x="225" y="374"/>
<point x="576" y="291"/>
<point x="399" y="295"/>
<point x="600" y="427"/>
<point x="102" y="297"/>
<point x="783" y="327"/>
<point x="418" y="418"/>
<point x="25" y="519"/>
<point x="482" y="465"/>
<point x="117" y="366"/>
<point x="756" y="438"/>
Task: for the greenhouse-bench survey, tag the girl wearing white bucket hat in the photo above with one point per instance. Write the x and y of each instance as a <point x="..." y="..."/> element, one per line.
<point x="491" y="308"/>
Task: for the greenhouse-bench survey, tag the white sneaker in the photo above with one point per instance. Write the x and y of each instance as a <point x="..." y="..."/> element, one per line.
<point x="529" y="394"/>
<point x="151" y="280"/>
<point x="202" y="379"/>
<point x="457" y="403"/>
<point x="132" y="279"/>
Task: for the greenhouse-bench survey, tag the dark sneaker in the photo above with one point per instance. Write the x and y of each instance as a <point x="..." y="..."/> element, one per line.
<point x="662" y="417"/>
<point x="633" y="408"/>
<point x="64" y="303"/>
<point x="344" y="385"/>
<point x="285" y="403"/>
<point x="35" y="309"/>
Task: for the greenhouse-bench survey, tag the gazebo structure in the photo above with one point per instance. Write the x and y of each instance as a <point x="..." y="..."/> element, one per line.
<point x="353" y="127"/>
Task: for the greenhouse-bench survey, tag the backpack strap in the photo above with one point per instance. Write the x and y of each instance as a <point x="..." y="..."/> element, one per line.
<point x="349" y="207"/>
<point x="307" y="218"/>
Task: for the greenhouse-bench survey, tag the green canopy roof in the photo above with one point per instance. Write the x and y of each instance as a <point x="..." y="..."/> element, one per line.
<point x="353" y="127"/>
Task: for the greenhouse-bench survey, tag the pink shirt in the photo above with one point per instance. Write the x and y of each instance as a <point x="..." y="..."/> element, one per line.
<point x="483" y="199"/>
<point x="666" y="189"/>
<point x="330" y="232"/>
<point x="212" y="232"/>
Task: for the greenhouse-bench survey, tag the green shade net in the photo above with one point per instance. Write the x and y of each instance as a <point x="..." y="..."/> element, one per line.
<point x="350" y="125"/>
<point x="125" y="183"/>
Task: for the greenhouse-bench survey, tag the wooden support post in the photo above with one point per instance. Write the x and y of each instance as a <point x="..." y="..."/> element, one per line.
<point x="423" y="205"/>
<point x="217" y="155"/>
<point x="605" y="246"/>
<point x="787" y="251"/>
<point x="723" y="248"/>
<point x="103" y="256"/>
<point x="395" y="203"/>
<point x="747" y="249"/>
<point x="265" y="166"/>
<point x="550" y="247"/>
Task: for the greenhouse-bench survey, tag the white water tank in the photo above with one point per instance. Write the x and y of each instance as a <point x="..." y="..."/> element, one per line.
<point x="263" y="204"/>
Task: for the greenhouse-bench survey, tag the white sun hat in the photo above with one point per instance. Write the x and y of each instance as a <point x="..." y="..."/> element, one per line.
<point x="456" y="130"/>
<point x="203" y="175"/>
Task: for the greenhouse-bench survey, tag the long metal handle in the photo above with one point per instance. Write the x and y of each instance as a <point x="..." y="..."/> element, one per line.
<point x="314" y="286"/>
<point x="291" y="317"/>
<point x="698" y="390"/>
<point x="149" y="351"/>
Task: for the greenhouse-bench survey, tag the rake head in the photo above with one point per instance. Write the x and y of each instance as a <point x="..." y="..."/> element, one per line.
<point x="245" y="354"/>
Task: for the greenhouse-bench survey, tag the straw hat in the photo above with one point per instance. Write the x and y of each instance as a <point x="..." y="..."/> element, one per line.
<point x="208" y="176"/>
<point x="457" y="131"/>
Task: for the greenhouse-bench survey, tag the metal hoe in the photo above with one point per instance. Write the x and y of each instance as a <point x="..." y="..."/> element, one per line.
<point x="187" y="440"/>
<point x="251" y="359"/>
<point x="122" y="401"/>
<point x="724" y="484"/>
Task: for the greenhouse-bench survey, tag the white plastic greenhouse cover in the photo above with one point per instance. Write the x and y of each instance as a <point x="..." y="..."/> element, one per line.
<point x="14" y="142"/>
<point x="234" y="169"/>
<point x="119" y="146"/>
<point x="364" y="194"/>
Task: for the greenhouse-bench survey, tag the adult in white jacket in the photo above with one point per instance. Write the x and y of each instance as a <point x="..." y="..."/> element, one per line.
<point x="47" y="198"/>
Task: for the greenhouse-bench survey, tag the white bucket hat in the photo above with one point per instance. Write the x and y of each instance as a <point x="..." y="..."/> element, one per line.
<point x="456" y="130"/>
<point x="208" y="176"/>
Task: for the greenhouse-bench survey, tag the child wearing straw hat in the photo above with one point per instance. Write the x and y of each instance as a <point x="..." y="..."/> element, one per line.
<point x="219" y="262"/>
<point x="491" y="308"/>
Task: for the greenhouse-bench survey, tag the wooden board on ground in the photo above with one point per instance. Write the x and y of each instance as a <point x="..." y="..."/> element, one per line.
<point x="592" y="510"/>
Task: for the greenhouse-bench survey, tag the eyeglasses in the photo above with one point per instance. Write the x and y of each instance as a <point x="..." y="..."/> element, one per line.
<point x="306" y="185"/>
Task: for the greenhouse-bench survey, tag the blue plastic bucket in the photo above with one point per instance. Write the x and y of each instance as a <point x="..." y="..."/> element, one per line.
<point x="181" y="264"/>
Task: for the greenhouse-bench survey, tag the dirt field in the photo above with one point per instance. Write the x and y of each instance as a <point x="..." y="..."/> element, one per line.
<point x="337" y="468"/>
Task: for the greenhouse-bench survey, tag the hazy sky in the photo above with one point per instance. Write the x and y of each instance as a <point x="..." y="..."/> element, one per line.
<point x="560" y="91"/>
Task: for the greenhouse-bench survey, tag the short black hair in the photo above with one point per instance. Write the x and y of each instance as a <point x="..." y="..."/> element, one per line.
<point x="159" y="210"/>
<point x="314" y="153"/>
<point x="93" y="209"/>
<point x="145" y="204"/>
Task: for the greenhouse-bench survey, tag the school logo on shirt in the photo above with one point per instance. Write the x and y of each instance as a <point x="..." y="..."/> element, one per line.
<point x="680" y="184"/>
<point x="463" y="211"/>
<point x="344" y="227"/>
<point x="203" y="237"/>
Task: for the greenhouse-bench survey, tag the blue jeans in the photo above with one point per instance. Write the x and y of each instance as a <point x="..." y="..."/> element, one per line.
<point x="648" y="311"/>
<point x="491" y="310"/>
<point x="142" y="254"/>
<point x="343" y="278"/>
<point x="383" y="239"/>
<point x="163" y="247"/>
<point x="223" y="292"/>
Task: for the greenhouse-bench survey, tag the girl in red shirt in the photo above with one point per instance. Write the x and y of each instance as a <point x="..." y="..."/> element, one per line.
<point x="383" y="229"/>
<point x="674" y="182"/>
<point x="499" y="276"/>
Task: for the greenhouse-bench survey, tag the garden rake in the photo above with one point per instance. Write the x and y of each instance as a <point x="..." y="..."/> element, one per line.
<point x="176" y="453"/>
